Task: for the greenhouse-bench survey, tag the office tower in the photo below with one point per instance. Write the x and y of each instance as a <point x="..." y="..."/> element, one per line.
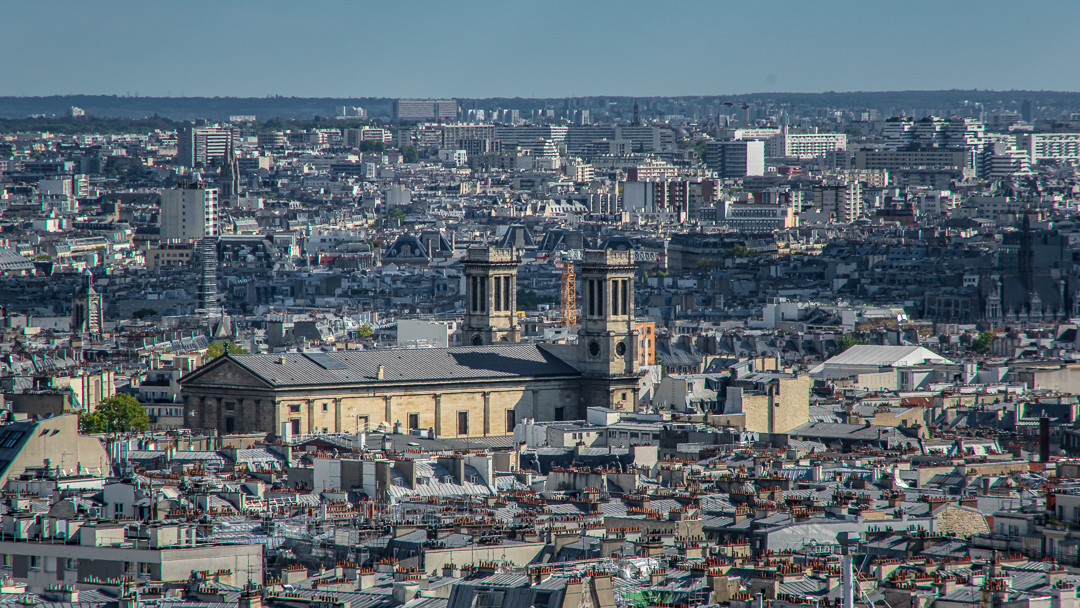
<point x="1027" y="111"/>
<point x="188" y="213"/>
<point x="425" y="109"/>
<point x="735" y="158"/>
<point x="195" y="145"/>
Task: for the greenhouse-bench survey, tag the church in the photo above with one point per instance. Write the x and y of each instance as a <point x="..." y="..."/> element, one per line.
<point x="478" y="390"/>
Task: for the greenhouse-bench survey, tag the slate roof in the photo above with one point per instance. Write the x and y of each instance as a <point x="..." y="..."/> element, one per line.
<point x="427" y="364"/>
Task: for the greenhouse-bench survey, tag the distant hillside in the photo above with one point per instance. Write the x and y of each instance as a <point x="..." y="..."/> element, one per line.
<point x="187" y="108"/>
<point x="220" y="108"/>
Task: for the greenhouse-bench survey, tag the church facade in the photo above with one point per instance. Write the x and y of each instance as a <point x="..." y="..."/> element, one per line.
<point x="482" y="389"/>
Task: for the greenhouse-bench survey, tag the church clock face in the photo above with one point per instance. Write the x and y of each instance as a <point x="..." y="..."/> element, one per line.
<point x="594" y="349"/>
<point x="620" y="348"/>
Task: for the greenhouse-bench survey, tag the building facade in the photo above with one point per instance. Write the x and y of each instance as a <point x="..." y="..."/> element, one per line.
<point x="188" y="213"/>
<point x="470" y="391"/>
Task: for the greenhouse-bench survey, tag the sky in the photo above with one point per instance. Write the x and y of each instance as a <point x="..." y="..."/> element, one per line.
<point x="548" y="48"/>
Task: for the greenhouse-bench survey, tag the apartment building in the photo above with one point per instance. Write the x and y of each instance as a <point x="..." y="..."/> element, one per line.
<point x="188" y="213"/>
<point x="735" y="158"/>
<point x="804" y="145"/>
<point x="201" y="145"/>
<point x="1050" y="146"/>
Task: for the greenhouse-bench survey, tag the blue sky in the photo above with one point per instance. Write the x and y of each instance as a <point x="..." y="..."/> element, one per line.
<point x="550" y="48"/>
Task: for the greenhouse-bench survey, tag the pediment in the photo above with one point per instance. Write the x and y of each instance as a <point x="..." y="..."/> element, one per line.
<point x="224" y="373"/>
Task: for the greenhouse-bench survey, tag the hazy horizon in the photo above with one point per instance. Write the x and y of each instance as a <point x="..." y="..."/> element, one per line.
<point x="483" y="49"/>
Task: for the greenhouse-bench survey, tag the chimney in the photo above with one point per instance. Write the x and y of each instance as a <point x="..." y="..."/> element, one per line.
<point x="380" y="373"/>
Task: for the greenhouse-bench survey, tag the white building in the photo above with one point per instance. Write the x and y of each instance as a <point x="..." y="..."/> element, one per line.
<point x="189" y="213"/>
<point x="735" y="158"/>
<point x="1050" y="146"/>
<point x="457" y="158"/>
<point x="747" y="216"/>
<point x="804" y="145"/>
<point x="421" y="332"/>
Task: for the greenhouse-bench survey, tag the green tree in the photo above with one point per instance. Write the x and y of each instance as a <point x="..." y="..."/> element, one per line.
<point x="372" y="146"/>
<point x="845" y="342"/>
<point x="396" y="214"/>
<point x="117" y="414"/>
<point x="699" y="149"/>
<point x="741" y="251"/>
<point x="409" y="154"/>
<point x="981" y="344"/>
<point x="528" y="299"/>
<point x="218" y="348"/>
<point x="142" y="313"/>
<point x="365" y="331"/>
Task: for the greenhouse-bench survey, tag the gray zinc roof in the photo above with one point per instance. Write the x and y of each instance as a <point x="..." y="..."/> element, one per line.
<point x="361" y="366"/>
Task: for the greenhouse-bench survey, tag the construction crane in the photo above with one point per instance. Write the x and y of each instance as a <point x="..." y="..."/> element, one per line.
<point x="568" y="292"/>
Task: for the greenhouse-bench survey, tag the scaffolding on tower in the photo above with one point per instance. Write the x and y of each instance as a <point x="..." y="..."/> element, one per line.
<point x="568" y="293"/>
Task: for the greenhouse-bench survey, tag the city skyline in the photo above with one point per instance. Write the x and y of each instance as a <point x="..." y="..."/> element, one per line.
<point x="480" y="49"/>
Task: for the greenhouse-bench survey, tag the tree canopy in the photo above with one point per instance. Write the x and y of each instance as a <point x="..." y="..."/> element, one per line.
<point x="845" y="342"/>
<point x="365" y="331"/>
<point x="409" y="154"/>
<point x="218" y="348"/>
<point x="981" y="344"/>
<point x="117" y="414"/>
<point x="372" y="146"/>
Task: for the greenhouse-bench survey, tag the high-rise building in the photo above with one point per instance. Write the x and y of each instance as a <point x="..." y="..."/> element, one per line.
<point x="1049" y="146"/>
<point x="188" y="213"/>
<point x="1027" y="111"/>
<point x="804" y="145"/>
<point x="425" y="109"/>
<point x="195" y="145"/>
<point x="841" y="200"/>
<point x="735" y="158"/>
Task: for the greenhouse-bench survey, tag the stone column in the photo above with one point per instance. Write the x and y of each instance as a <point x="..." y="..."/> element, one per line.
<point x="487" y="413"/>
<point x="337" y="415"/>
<point x="310" y="404"/>
<point x="438" y="414"/>
<point x="389" y="409"/>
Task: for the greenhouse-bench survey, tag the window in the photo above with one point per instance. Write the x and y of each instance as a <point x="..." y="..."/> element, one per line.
<point x="325" y="406"/>
<point x="35" y="562"/>
<point x="295" y="426"/>
<point x="294" y="408"/>
<point x="463" y="423"/>
<point x="511" y="421"/>
<point x="414" y="421"/>
<point x="230" y="406"/>
<point x="559" y="414"/>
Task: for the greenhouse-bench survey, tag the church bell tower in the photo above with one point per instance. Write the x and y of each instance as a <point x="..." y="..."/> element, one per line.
<point x="490" y="296"/>
<point x="607" y="340"/>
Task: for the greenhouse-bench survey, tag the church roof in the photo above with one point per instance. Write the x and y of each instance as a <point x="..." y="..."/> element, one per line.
<point x="408" y="365"/>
